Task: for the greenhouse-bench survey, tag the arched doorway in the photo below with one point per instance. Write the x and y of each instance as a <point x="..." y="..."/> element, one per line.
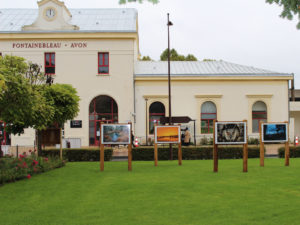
<point x="156" y="111"/>
<point x="102" y="109"/>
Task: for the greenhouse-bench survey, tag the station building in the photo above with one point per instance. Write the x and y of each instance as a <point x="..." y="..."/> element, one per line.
<point x="97" y="51"/>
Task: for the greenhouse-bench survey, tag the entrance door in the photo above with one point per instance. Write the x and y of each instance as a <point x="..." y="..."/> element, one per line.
<point x="102" y="109"/>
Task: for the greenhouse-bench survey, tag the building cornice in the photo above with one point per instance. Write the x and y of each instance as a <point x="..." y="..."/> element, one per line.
<point x="259" y="95"/>
<point x="214" y="78"/>
<point x="209" y="96"/>
<point x="154" y="96"/>
<point x="68" y="35"/>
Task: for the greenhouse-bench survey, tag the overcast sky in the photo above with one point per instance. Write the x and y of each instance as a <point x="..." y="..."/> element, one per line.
<point x="246" y="32"/>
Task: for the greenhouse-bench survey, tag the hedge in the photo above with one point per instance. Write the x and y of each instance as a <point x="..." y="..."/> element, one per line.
<point x="191" y="153"/>
<point x="77" y="155"/>
<point x="294" y="152"/>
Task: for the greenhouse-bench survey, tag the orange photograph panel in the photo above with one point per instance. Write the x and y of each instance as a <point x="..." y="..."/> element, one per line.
<point x="167" y="134"/>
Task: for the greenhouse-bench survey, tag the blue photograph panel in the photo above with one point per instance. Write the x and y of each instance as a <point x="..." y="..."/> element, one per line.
<point x="274" y="132"/>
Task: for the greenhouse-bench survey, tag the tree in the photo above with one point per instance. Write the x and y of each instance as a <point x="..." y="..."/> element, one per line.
<point x="21" y="105"/>
<point x="65" y="102"/>
<point x="174" y="56"/>
<point x="290" y="8"/>
<point x="2" y="84"/>
<point x="28" y="101"/>
<point x="146" y="58"/>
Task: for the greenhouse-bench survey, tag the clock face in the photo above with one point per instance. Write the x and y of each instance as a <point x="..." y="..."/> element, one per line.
<point x="50" y="13"/>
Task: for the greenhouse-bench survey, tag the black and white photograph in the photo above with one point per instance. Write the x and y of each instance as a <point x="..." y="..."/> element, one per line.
<point x="230" y="133"/>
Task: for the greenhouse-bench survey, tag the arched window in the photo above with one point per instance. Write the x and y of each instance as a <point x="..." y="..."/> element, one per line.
<point x="156" y="111"/>
<point x="102" y="109"/>
<point x="208" y="115"/>
<point x="259" y="113"/>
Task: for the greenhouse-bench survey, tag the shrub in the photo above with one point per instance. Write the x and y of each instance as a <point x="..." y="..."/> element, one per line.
<point x="294" y="152"/>
<point x="253" y="141"/>
<point x="12" y="169"/>
<point x="77" y="155"/>
<point x="192" y="153"/>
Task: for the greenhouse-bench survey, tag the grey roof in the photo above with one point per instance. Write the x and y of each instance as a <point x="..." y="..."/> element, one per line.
<point x="88" y="20"/>
<point x="199" y="68"/>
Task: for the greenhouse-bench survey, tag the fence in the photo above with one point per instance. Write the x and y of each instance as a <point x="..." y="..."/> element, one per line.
<point x="17" y="150"/>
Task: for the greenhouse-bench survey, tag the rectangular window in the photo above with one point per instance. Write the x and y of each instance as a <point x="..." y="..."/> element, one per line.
<point x="49" y="63"/>
<point x="103" y="63"/>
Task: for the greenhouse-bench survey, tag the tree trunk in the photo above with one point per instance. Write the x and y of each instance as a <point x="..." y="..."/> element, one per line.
<point x="39" y="142"/>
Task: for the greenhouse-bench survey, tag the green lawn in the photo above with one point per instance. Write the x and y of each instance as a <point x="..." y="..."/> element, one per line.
<point x="168" y="194"/>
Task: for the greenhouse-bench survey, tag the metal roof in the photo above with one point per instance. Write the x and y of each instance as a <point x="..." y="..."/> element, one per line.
<point x="88" y="20"/>
<point x="199" y="68"/>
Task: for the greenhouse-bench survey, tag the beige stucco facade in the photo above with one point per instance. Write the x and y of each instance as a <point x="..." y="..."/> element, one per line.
<point x="76" y="63"/>
<point x="78" y="66"/>
<point x="234" y="99"/>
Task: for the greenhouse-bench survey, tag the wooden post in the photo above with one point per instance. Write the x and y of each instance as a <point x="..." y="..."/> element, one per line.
<point x="101" y="157"/>
<point x="101" y="152"/>
<point x="261" y="146"/>
<point x="130" y="150"/>
<point x="179" y="154"/>
<point x="60" y="141"/>
<point x="245" y="151"/>
<point x="155" y="147"/>
<point x="287" y="147"/>
<point x="179" y="150"/>
<point x="155" y="154"/>
<point x="215" y="150"/>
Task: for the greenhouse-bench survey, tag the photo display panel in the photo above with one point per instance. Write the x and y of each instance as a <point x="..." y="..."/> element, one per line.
<point x="227" y="133"/>
<point x="167" y="134"/>
<point x="274" y="132"/>
<point x="116" y="134"/>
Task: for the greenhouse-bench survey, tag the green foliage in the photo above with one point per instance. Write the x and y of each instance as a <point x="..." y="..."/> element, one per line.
<point x="146" y="58"/>
<point x="77" y="155"/>
<point x="21" y="105"/>
<point x="253" y="141"/>
<point x="27" y="101"/>
<point x="2" y="83"/>
<point x="190" y="57"/>
<point x="64" y="100"/>
<point x="192" y="153"/>
<point x="290" y="8"/>
<point x="208" y="60"/>
<point x="294" y="152"/>
<point x="12" y="169"/>
<point x="206" y="141"/>
<point x="174" y="56"/>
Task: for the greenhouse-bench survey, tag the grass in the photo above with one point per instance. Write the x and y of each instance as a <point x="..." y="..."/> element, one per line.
<point x="168" y="194"/>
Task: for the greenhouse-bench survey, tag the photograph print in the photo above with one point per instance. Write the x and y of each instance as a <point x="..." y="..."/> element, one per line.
<point x="115" y="134"/>
<point x="274" y="132"/>
<point x="167" y="134"/>
<point x="230" y="133"/>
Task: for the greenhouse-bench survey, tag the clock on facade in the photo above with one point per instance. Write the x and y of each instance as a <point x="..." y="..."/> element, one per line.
<point x="50" y="13"/>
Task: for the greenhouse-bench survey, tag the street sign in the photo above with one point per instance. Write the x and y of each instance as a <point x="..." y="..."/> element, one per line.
<point x="175" y="119"/>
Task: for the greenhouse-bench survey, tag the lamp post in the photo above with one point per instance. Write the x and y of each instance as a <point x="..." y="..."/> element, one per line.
<point x="146" y="99"/>
<point x="169" y="74"/>
<point x="169" y="83"/>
